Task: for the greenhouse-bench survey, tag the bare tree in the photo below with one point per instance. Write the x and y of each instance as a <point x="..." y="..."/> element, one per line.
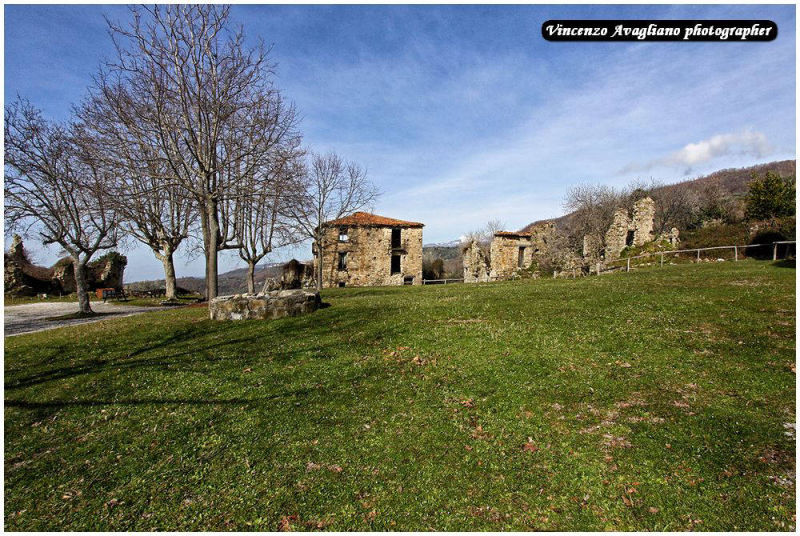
<point x="56" y="188"/>
<point x="593" y="208"/>
<point x="154" y="207"/>
<point x="676" y="206"/>
<point x="261" y="213"/>
<point x="483" y="236"/>
<point x="206" y="99"/>
<point x="333" y="189"/>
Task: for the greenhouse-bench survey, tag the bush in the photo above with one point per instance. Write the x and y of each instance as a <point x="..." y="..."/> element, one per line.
<point x="771" y="196"/>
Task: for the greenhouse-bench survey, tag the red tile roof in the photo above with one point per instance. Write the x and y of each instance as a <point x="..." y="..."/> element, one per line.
<point x="371" y="220"/>
<point x="512" y="234"/>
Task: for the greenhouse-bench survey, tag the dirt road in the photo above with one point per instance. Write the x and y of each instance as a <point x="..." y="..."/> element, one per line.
<point x="33" y="316"/>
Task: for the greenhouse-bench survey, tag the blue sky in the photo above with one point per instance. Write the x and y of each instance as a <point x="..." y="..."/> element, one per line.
<point x="463" y="114"/>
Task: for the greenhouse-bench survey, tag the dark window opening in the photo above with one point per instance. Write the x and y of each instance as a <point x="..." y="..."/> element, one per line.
<point x="343" y="234"/>
<point x="395" y="238"/>
<point x="629" y="239"/>
<point x="408" y="280"/>
<point x="343" y="261"/>
<point x="341" y="284"/>
<point x="395" y="264"/>
<point x="521" y="258"/>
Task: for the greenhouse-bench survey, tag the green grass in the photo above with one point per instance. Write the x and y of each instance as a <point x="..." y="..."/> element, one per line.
<point x="23" y="300"/>
<point x="652" y="400"/>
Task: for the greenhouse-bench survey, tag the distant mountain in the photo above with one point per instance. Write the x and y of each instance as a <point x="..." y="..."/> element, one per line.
<point x="734" y="180"/>
<point x="451" y="244"/>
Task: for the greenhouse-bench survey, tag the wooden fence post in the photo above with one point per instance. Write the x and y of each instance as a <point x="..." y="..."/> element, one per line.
<point x="698" y="255"/>
<point x="735" y="253"/>
<point x="629" y="265"/>
<point x="598" y="268"/>
<point x="775" y="251"/>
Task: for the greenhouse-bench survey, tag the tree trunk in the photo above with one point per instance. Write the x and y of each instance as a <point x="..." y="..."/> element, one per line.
<point x="170" y="282"/>
<point x="211" y="243"/>
<point x="251" y="277"/>
<point x="81" y="287"/>
<point x="318" y="275"/>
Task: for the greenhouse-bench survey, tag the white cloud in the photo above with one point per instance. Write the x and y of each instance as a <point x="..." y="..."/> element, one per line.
<point x="745" y="143"/>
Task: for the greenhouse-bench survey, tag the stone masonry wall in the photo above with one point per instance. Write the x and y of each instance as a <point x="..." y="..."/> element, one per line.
<point x="640" y="224"/>
<point x="643" y="221"/>
<point x="369" y="256"/>
<point x="505" y="255"/>
<point x="476" y="265"/>
<point x="264" y="306"/>
<point x="617" y="234"/>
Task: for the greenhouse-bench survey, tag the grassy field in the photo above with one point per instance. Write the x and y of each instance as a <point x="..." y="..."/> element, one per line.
<point x="660" y="399"/>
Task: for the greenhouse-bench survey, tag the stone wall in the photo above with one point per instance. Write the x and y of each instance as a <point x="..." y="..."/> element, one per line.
<point x="264" y="306"/>
<point x="505" y="254"/>
<point x="295" y="275"/>
<point x="476" y="264"/>
<point x="630" y="230"/>
<point x="23" y="278"/>
<point x="642" y="222"/>
<point x="369" y="257"/>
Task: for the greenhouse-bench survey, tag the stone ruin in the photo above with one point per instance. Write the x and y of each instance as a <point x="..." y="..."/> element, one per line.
<point x="23" y="278"/>
<point x="510" y="253"/>
<point x="476" y="263"/>
<point x="294" y="275"/>
<point x="265" y="305"/>
<point x="628" y="230"/>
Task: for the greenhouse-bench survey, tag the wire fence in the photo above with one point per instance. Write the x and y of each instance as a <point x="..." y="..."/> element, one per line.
<point x="441" y="281"/>
<point x="789" y="245"/>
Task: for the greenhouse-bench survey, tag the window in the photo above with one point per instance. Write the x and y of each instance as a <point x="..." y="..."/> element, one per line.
<point x="408" y="280"/>
<point x="343" y="260"/>
<point x="343" y="234"/>
<point x="629" y="239"/>
<point x="521" y="258"/>
<point x="395" y="264"/>
<point x="395" y="238"/>
<point x="341" y="284"/>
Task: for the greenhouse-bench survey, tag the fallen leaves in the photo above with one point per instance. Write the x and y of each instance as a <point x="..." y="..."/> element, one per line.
<point x="285" y="524"/>
<point x="530" y="446"/>
<point x="311" y="466"/>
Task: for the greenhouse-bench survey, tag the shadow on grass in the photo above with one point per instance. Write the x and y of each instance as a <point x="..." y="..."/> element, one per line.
<point x="190" y="341"/>
<point x="79" y="315"/>
<point x="24" y="404"/>
<point x="785" y="263"/>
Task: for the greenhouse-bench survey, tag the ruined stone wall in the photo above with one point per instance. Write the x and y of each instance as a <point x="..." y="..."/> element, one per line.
<point x="504" y="256"/>
<point x="369" y="257"/>
<point x="543" y="238"/>
<point x="642" y="223"/>
<point x="617" y="234"/>
<point x="476" y="264"/>
<point x="21" y="277"/>
<point x="264" y="306"/>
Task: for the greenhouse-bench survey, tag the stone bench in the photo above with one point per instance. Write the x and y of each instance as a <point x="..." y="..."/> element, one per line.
<point x="264" y="306"/>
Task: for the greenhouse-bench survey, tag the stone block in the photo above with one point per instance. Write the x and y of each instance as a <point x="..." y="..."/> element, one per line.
<point x="264" y="306"/>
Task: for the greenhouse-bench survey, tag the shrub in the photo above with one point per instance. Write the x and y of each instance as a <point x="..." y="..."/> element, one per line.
<point x="770" y="196"/>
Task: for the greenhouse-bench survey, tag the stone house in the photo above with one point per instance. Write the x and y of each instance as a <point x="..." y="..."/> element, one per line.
<point x="365" y="249"/>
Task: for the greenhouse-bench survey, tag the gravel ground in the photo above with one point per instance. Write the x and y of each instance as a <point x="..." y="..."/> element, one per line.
<point x="33" y="316"/>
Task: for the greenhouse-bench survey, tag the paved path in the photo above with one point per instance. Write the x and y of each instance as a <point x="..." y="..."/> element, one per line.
<point x="33" y="316"/>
